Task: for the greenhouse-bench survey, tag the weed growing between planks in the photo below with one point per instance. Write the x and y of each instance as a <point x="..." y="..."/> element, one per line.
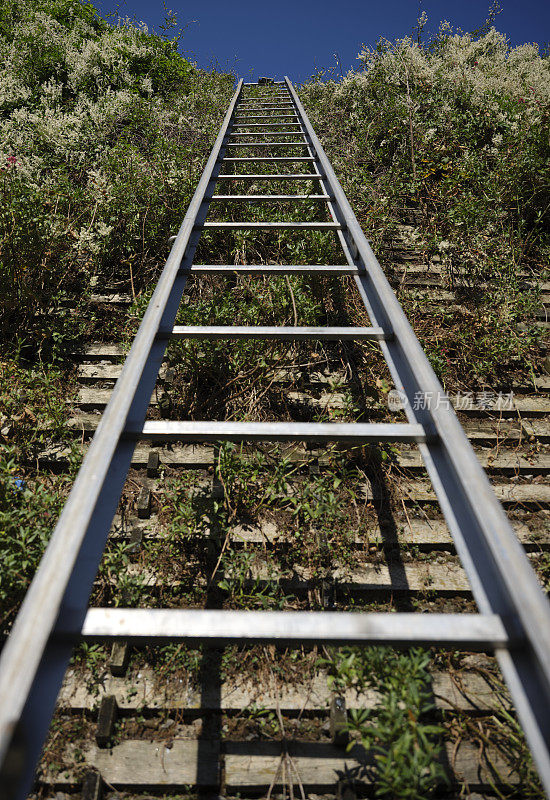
<point x="28" y="509"/>
<point x="32" y="419"/>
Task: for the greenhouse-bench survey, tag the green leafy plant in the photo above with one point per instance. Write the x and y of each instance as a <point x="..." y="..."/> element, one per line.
<point x="405" y="744"/>
<point x="27" y="514"/>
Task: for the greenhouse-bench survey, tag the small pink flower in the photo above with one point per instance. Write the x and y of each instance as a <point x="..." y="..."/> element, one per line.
<point x="12" y="161"/>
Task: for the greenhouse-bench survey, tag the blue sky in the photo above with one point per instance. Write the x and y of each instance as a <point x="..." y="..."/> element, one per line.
<point x="257" y="37"/>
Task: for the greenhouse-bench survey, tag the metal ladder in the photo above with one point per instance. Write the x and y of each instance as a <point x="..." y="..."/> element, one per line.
<point x="514" y="616"/>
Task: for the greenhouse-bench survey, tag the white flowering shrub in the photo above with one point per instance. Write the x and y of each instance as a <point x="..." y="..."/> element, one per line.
<point x="103" y="133"/>
<point x="456" y="129"/>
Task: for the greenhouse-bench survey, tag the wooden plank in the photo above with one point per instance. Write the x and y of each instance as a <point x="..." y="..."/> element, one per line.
<point x="534" y="405"/>
<point x="424" y="533"/>
<point x="90" y="397"/>
<point x="244" y="771"/>
<point x="253" y="765"/>
<point x="84" y="422"/>
<point x="418" y="491"/>
<point x="536" y="429"/>
<point x="145" y="764"/>
<point x="113" y="298"/>
<point x="509" y="462"/>
<point x="435" y="296"/>
<point x="104" y="350"/>
<point x="102" y="372"/>
<point x="504" y="405"/>
<point x="202" y="456"/>
<point x="98" y="372"/>
<point x="437" y="268"/>
<point x="184" y="455"/>
<point x="446" y="578"/>
<point x="427" y="534"/>
<point x="542" y="382"/>
<point x="82" y="691"/>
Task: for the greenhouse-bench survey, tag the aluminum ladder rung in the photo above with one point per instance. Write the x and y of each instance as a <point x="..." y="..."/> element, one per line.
<point x="285" y="109"/>
<point x="267" y="144"/>
<point x="214" y="431"/>
<point x="273" y="269"/>
<point x="270" y="158"/>
<point x="266" y="133"/>
<point x="266" y="107"/>
<point x="266" y="116"/>
<point x="271" y="197"/>
<point x="270" y="176"/>
<point x="285" y="334"/>
<point x="261" y="102"/>
<point x="266" y="125"/>
<point x="467" y="631"/>
<point x="314" y="226"/>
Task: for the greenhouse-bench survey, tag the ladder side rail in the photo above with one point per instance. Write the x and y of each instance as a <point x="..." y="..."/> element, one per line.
<point x="519" y="670"/>
<point x="502" y="578"/>
<point x="32" y="664"/>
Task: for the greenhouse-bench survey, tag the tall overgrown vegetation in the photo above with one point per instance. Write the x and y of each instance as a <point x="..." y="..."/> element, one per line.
<point x="103" y="131"/>
<point x="457" y="129"/>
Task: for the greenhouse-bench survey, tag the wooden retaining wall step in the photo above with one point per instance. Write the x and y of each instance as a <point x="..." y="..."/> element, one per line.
<point x="253" y="766"/>
<point x="441" y="576"/>
<point x="444" y="579"/>
<point x="435" y="295"/>
<point x="91" y="372"/>
<point x="423" y="279"/>
<point x="102" y="350"/>
<point x="510" y="462"/>
<point x="107" y="352"/>
<point x="509" y="493"/>
<point x="245" y="772"/>
<point x="112" y="298"/>
<point x="465" y="691"/>
<point x="503" y="462"/>
<point x="427" y="534"/>
<point x="202" y="456"/>
<point x="92" y="397"/>
<point x="435" y="267"/>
